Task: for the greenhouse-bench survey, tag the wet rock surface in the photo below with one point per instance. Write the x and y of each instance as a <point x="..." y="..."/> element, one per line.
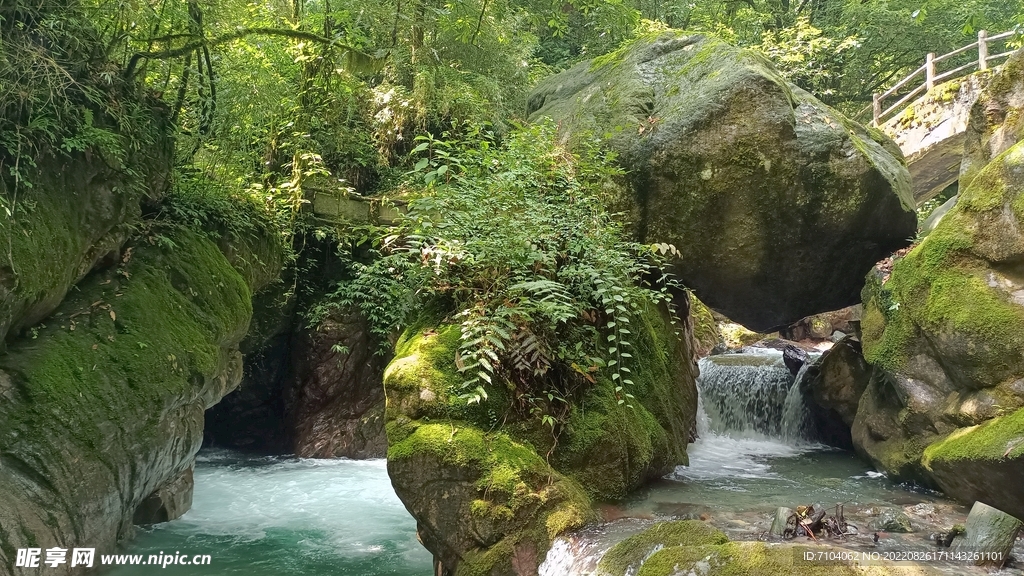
<point x="169" y="501"/>
<point x="891" y="520"/>
<point x="314" y="392"/>
<point x="990" y="534"/>
<point x="338" y="404"/>
<point x="833" y="387"/>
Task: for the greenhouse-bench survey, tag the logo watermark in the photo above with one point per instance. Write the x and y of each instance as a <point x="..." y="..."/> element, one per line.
<point x="86" y="558"/>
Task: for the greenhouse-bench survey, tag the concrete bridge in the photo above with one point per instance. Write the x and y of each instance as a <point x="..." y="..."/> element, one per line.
<point x="928" y="120"/>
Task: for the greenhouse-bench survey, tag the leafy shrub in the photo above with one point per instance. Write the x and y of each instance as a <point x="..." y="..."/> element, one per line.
<point x="513" y="242"/>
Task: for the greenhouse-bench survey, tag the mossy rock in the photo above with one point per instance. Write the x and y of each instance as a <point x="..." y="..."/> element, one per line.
<point x="611" y="448"/>
<point x="996" y="120"/>
<point x="105" y="402"/>
<point x="694" y="547"/>
<point x="706" y="334"/>
<point x="69" y="211"/>
<point x="984" y="462"/>
<point x="757" y="559"/>
<point x="490" y="491"/>
<point x="482" y="499"/>
<point x="946" y="332"/>
<point x="627" y="556"/>
<point x="778" y="204"/>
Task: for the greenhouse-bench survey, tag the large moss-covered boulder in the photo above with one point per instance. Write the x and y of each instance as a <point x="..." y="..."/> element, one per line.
<point x="778" y="204"/>
<point x="490" y="489"/>
<point x="945" y="333"/>
<point x="102" y="406"/>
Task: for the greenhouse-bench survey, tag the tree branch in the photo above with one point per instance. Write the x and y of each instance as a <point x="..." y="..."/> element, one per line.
<point x="479" y="22"/>
<point x="240" y="33"/>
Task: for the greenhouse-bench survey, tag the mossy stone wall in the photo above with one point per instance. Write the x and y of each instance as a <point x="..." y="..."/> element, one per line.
<point x="105" y="402"/>
<point x="945" y="333"/>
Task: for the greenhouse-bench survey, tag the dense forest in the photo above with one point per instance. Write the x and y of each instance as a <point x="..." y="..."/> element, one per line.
<point x="269" y="103"/>
<point x="470" y="236"/>
<point x="261" y="94"/>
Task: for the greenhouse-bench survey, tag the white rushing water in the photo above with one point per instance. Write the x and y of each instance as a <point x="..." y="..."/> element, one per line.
<point x="744" y="395"/>
<point x="753" y="455"/>
<point x="300" y="517"/>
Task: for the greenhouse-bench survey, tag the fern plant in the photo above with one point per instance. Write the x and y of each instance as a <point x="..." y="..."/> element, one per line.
<point x="514" y="240"/>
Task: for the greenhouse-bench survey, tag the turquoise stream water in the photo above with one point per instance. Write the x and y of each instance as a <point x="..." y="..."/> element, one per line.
<point x="296" y="517"/>
<point x="288" y="517"/>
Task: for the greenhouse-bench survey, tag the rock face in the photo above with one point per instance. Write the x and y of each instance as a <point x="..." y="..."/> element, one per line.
<point x="982" y="463"/>
<point x="338" y="408"/>
<point x="778" y="204"/>
<point x="832" y="387"/>
<point x="490" y="490"/>
<point x="104" y="406"/>
<point x="989" y="532"/>
<point x="843" y="375"/>
<point x="78" y="211"/>
<point x="995" y="122"/>
<point x="706" y="336"/>
<point x="891" y="520"/>
<point x="170" y="500"/>
<point x="315" y="392"/>
<point x="947" y="330"/>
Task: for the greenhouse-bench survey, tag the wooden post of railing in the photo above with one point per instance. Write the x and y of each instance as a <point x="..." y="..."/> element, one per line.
<point x="929" y="71"/>
<point x="982" y="50"/>
<point x="876" y="104"/>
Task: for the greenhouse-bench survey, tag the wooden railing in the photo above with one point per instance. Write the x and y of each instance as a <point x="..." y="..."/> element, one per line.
<point x="929" y="69"/>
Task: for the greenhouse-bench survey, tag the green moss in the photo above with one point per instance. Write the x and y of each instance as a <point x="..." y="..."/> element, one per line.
<point x="1009" y="76"/>
<point x="50" y="242"/>
<point x="629" y="554"/>
<point x="705" y="329"/>
<point x="618" y="55"/>
<point x="164" y="319"/>
<point x="941" y="286"/>
<point x="424" y="376"/>
<point x="747" y="559"/>
<point x="997" y="439"/>
<point x="611" y="448"/>
<point x="516" y="488"/>
<point x="119" y="377"/>
<point x="425" y="358"/>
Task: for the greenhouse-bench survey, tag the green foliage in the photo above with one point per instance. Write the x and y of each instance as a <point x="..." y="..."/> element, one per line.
<point x="514" y="242"/>
<point x="808" y="57"/>
<point x="58" y="93"/>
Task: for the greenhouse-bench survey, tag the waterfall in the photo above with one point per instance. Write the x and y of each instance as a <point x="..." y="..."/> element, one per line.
<point x="751" y="396"/>
<point x="796" y="417"/>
